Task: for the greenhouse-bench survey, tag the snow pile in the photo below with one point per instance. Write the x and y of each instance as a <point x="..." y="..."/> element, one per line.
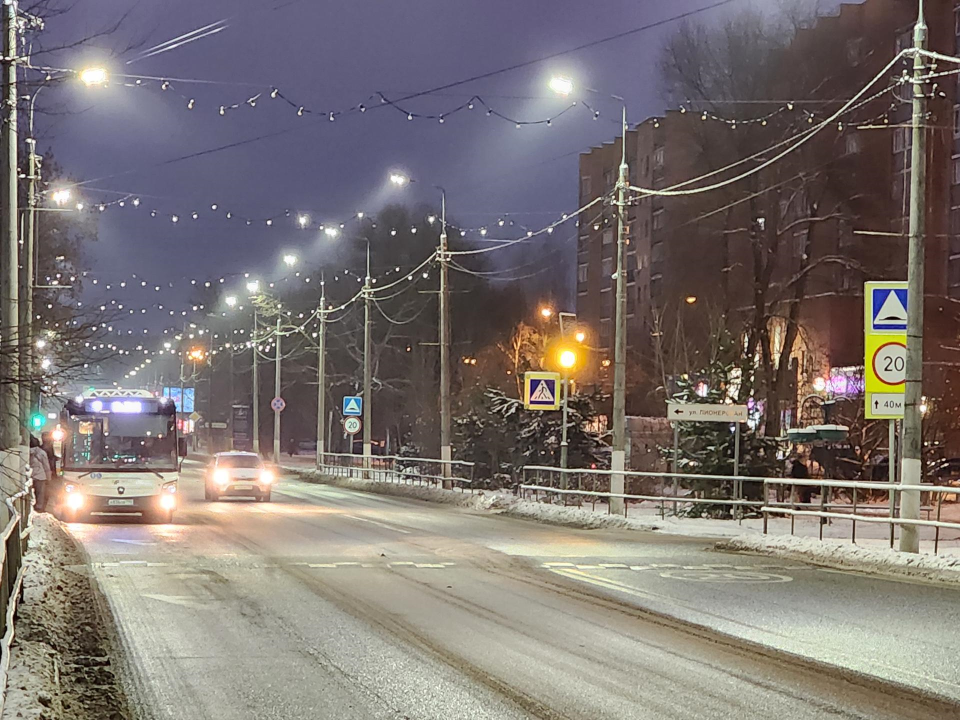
<point x="839" y="554"/>
<point x="498" y="501"/>
<point x="60" y="664"/>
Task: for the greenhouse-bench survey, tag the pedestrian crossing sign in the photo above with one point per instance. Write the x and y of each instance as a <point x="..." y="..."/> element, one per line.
<point x="541" y="391"/>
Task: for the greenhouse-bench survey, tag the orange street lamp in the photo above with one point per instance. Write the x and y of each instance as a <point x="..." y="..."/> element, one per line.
<point x="546" y="312"/>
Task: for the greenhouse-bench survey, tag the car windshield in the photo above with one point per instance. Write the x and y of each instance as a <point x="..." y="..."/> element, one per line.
<point x="238" y="461"/>
<point x="119" y="442"/>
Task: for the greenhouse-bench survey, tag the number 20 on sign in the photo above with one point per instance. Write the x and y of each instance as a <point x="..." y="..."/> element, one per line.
<point x="886" y="363"/>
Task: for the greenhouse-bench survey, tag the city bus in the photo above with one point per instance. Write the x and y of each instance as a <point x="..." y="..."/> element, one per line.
<point x="120" y="455"/>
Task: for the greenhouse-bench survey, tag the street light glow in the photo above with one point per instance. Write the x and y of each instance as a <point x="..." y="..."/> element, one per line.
<point x="94" y="76"/>
<point x="61" y="196"/>
<point x="290" y="260"/>
<point x="546" y="313"/>
<point x="561" y="85"/>
<point x="331" y="232"/>
<point x="253" y="286"/>
<point x="303" y="220"/>
<point x="691" y="299"/>
<point x="568" y="358"/>
<point x="231" y="301"/>
<point x="580" y="336"/>
<point x="399" y="179"/>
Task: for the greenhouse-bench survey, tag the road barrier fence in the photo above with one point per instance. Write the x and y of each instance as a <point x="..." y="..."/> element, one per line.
<point x="398" y="469"/>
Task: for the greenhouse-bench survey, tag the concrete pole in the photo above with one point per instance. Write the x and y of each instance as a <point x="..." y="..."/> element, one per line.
<point x="367" y="368"/>
<point x="618" y="457"/>
<point x="256" y="386"/>
<point x="446" y="452"/>
<point x="563" y="432"/>
<point x="12" y="432"/>
<point x="27" y="401"/>
<point x="276" y="394"/>
<point x="321" y="378"/>
<point x="912" y="421"/>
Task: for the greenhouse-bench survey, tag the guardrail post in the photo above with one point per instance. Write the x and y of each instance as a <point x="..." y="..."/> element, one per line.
<point x="853" y="536"/>
<point x="893" y="511"/>
<point x="823" y="500"/>
<point x="936" y="536"/>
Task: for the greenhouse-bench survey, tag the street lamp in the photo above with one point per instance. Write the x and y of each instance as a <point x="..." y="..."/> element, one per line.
<point x="561" y="85"/>
<point x="303" y="220"/>
<point x="446" y="450"/>
<point x="61" y="197"/>
<point x="581" y="336"/>
<point x="253" y="286"/>
<point x="568" y="360"/>
<point x="290" y="260"/>
<point x="618" y="456"/>
<point x="546" y="313"/>
<point x="331" y="232"/>
<point x="231" y="301"/>
<point x="94" y="76"/>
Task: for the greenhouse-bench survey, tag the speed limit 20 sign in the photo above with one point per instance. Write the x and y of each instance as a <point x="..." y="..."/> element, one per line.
<point x="885" y="345"/>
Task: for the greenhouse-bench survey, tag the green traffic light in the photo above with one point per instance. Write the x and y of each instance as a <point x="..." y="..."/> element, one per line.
<point x="37" y="421"/>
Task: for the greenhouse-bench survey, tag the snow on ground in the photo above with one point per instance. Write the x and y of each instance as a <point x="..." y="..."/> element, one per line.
<point x="840" y="554"/>
<point x="60" y="664"/>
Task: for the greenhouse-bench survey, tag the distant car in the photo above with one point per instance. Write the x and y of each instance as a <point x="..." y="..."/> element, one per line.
<point x="238" y="474"/>
<point x="946" y="471"/>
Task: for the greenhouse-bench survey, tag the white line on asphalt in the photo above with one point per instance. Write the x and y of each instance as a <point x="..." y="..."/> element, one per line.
<point x="379" y="524"/>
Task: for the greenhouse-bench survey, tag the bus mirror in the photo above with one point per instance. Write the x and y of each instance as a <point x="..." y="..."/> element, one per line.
<point x="182" y="447"/>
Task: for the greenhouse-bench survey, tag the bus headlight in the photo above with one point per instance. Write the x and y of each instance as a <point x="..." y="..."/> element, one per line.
<point x="168" y="501"/>
<point x="266" y="477"/>
<point x="74" y="500"/>
<point x="170" y="487"/>
<point x="221" y="477"/>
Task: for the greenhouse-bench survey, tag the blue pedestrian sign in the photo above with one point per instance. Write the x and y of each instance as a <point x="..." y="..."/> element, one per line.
<point x="541" y="391"/>
<point x="352" y="405"/>
<point x="886" y="307"/>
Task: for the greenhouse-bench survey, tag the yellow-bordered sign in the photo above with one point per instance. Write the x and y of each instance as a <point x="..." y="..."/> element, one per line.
<point x="885" y="348"/>
<point x="541" y="391"/>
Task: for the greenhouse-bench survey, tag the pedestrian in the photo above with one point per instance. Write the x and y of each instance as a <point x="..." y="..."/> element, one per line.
<point x="799" y="471"/>
<point x="40" y="472"/>
<point x="46" y="443"/>
<point x="292" y="445"/>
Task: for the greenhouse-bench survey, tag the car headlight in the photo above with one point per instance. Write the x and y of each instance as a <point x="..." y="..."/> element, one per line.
<point x="266" y="477"/>
<point x="74" y="500"/>
<point x="221" y="477"/>
<point x="170" y="487"/>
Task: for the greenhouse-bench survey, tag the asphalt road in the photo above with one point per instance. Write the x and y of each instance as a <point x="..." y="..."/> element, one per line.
<point x="329" y="603"/>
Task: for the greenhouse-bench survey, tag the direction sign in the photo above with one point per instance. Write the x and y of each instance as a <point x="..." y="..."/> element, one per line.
<point x="694" y="412"/>
<point x="352" y="425"/>
<point x="541" y="391"/>
<point x="278" y="404"/>
<point x="886" y="307"/>
<point x="352" y="405"/>
<point x="885" y="405"/>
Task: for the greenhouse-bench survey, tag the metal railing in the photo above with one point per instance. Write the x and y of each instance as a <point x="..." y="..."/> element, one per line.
<point x="13" y="548"/>
<point x="680" y="490"/>
<point x="396" y="469"/>
<point x="833" y="507"/>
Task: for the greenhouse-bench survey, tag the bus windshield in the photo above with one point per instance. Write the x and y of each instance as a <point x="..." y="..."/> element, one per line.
<point x="120" y="442"/>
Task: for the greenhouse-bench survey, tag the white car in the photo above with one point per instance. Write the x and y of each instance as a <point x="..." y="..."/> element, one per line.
<point x="238" y="474"/>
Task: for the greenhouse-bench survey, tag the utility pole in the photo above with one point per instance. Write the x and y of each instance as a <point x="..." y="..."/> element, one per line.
<point x="321" y="377"/>
<point x="618" y="457"/>
<point x="256" y="385"/>
<point x="367" y="369"/>
<point x="446" y="453"/>
<point x="26" y="278"/>
<point x="276" y="394"/>
<point x="12" y="432"/>
<point x="911" y="462"/>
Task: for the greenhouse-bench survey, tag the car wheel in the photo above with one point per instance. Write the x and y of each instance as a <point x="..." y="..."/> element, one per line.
<point x="264" y="497"/>
<point x="207" y="492"/>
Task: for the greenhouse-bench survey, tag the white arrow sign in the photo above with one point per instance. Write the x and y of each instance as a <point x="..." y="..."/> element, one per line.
<point x="685" y="412"/>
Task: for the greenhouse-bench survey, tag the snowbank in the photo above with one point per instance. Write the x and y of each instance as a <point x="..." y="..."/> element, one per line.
<point x="500" y="502"/>
<point x="60" y="664"/>
<point x="840" y="554"/>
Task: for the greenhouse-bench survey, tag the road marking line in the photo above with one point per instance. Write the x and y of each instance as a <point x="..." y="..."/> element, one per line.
<point x="430" y="565"/>
<point x="614" y="565"/>
<point x="588" y="567"/>
<point x="405" y="562"/>
<point x="379" y="524"/>
<point x="557" y="564"/>
<point x="639" y="567"/>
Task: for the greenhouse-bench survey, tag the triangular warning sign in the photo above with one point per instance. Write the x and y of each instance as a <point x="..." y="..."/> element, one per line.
<point x="542" y="394"/>
<point x="892" y="312"/>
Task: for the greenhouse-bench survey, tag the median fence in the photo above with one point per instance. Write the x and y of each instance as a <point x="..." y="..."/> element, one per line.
<point x="829" y="501"/>
<point x="13" y="549"/>
<point x="396" y="469"/>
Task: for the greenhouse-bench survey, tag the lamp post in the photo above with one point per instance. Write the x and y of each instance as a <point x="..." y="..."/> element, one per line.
<point x="568" y="359"/>
<point x="321" y="377"/>
<point x="253" y="287"/>
<point x="565" y="86"/>
<point x="446" y="448"/>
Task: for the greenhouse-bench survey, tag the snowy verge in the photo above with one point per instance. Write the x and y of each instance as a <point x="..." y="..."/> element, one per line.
<point x="843" y="555"/>
<point x="60" y="662"/>
<point x="496" y="501"/>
